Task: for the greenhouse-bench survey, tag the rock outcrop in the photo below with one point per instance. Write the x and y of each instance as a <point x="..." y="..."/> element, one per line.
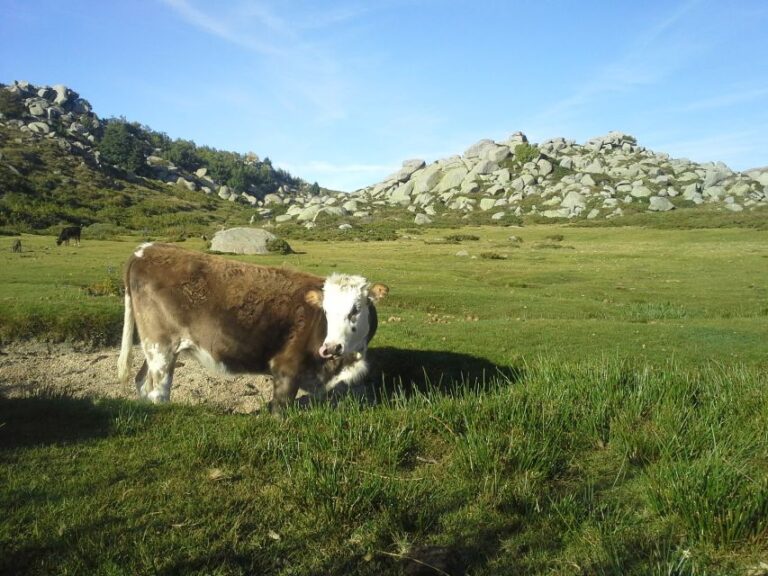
<point x="604" y="177"/>
<point x="60" y="114"/>
<point x="556" y="179"/>
<point x="559" y="178"/>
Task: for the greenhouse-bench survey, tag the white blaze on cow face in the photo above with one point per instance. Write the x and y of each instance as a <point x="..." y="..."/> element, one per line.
<point x="345" y="303"/>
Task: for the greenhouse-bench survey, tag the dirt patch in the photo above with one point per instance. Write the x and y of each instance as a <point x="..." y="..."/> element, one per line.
<point x="27" y="368"/>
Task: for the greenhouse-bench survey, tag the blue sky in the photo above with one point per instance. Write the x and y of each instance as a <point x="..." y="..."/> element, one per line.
<point x="341" y="92"/>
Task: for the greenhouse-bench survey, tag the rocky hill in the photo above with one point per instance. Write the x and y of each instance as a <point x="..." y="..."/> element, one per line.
<point x="606" y="177"/>
<point x="54" y="150"/>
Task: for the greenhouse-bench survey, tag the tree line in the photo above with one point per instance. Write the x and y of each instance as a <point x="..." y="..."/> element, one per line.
<point x="128" y="144"/>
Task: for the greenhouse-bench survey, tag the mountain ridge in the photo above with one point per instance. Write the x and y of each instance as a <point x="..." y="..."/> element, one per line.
<point x="58" y="136"/>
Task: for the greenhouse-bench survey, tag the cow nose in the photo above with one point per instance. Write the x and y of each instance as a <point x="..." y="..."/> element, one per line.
<point x="330" y="350"/>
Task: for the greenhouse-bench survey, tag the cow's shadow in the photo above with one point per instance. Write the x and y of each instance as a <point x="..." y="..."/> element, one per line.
<point x="399" y="371"/>
<point x="51" y="418"/>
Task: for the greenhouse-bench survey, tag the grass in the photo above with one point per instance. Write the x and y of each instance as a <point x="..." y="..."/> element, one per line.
<point x="649" y="294"/>
<point x="597" y="410"/>
<point x="610" y="469"/>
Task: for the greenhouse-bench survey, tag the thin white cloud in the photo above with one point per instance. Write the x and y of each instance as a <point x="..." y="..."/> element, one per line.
<point x="728" y="99"/>
<point x="652" y="57"/>
<point x="217" y="27"/>
<point x="306" y="74"/>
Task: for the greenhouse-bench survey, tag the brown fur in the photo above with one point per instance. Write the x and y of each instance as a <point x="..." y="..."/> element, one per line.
<point x="251" y="318"/>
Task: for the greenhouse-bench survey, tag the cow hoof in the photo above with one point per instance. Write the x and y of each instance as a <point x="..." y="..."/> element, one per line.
<point x="157" y="397"/>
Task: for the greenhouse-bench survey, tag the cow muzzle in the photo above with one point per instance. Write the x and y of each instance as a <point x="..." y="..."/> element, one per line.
<point x="331" y="350"/>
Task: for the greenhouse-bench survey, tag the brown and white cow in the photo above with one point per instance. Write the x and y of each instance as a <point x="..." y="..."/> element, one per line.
<point x="308" y="332"/>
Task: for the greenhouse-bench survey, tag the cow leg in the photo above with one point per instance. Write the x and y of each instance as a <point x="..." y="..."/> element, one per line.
<point x="161" y="361"/>
<point x="284" y="390"/>
<point x="142" y="380"/>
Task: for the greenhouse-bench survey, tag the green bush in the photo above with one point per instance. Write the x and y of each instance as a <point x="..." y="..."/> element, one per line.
<point x="279" y="246"/>
<point x="11" y="105"/>
<point x="122" y="146"/>
<point x="526" y="153"/>
<point x="461" y="237"/>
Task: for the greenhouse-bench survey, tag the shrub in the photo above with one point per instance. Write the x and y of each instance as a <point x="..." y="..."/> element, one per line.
<point x="11" y="105"/>
<point x="461" y="237"/>
<point x="279" y="246"/>
<point x="110" y="286"/>
<point x="526" y="153"/>
<point x="104" y="231"/>
<point x="122" y="146"/>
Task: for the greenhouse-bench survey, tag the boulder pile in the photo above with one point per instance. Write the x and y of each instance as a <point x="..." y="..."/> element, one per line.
<point x="502" y="181"/>
<point x="555" y="179"/>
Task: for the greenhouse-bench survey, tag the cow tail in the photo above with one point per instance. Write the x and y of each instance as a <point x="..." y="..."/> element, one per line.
<point x="126" y="346"/>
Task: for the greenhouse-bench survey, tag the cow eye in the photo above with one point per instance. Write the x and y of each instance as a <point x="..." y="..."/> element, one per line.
<point x="355" y="311"/>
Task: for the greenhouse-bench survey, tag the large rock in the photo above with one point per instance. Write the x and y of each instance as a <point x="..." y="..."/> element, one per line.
<point x="242" y="241"/>
<point x="452" y="179"/>
<point x="480" y="149"/>
<point x="402" y="194"/>
<point x="574" y="201"/>
<point x="39" y="127"/>
<point x="408" y="168"/>
<point x="309" y="213"/>
<point x="62" y="94"/>
<point x="660" y="204"/>
<point x="425" y="180"/>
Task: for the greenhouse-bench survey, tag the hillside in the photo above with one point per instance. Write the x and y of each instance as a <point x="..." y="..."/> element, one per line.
<point x="60" y="163"/>
<point x="605" y="178"/>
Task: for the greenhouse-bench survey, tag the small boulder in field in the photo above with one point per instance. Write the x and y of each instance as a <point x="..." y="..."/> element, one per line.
<point x="244" y="241"/>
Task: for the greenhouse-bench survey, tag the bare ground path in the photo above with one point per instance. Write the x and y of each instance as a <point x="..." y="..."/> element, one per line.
<point x="30" y="367"/>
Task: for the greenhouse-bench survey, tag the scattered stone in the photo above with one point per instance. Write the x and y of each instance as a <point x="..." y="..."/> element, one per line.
<point x="660" y="204"/>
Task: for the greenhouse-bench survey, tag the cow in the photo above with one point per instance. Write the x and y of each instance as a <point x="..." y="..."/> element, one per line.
<point x="16" y="246"/>
<point x="67" y="234"/>
<point x="308" y="332"/>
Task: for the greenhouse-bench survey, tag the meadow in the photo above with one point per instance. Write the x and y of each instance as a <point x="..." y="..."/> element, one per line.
<point x="555" y="400"/>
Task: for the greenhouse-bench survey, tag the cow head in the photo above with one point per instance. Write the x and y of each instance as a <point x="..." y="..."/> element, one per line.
<point x="345" y="301"/>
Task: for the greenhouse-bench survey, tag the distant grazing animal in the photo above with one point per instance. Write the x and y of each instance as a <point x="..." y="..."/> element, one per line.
<point x="16" y="246"/>
<point x="308" y="332"/>
<point x="67" y="234"/>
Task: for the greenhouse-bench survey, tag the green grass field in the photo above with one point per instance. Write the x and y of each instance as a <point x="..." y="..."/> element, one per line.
<point x="586" y="401"/>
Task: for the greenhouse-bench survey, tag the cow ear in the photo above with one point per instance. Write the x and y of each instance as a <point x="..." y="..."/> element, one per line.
<point x="377" y="292"/>
<point x="314" y="297"/>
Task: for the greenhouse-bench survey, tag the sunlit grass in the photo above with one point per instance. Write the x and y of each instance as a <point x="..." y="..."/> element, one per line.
<point x="595" y="410"/>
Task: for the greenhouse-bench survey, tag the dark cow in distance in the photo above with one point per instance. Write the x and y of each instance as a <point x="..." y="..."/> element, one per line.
<point x="308" y="332"/>
<point x="16" y="246"/>
<point x="67" y="234"/>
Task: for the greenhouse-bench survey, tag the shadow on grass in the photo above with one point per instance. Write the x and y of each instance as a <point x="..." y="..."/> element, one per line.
<point x="409" y="371"/>
<point x="52" y="419"/>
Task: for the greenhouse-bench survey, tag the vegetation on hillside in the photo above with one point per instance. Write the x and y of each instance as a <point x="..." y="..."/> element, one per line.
<point x="128" y="145"/>
<point x="44" y="184"/>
